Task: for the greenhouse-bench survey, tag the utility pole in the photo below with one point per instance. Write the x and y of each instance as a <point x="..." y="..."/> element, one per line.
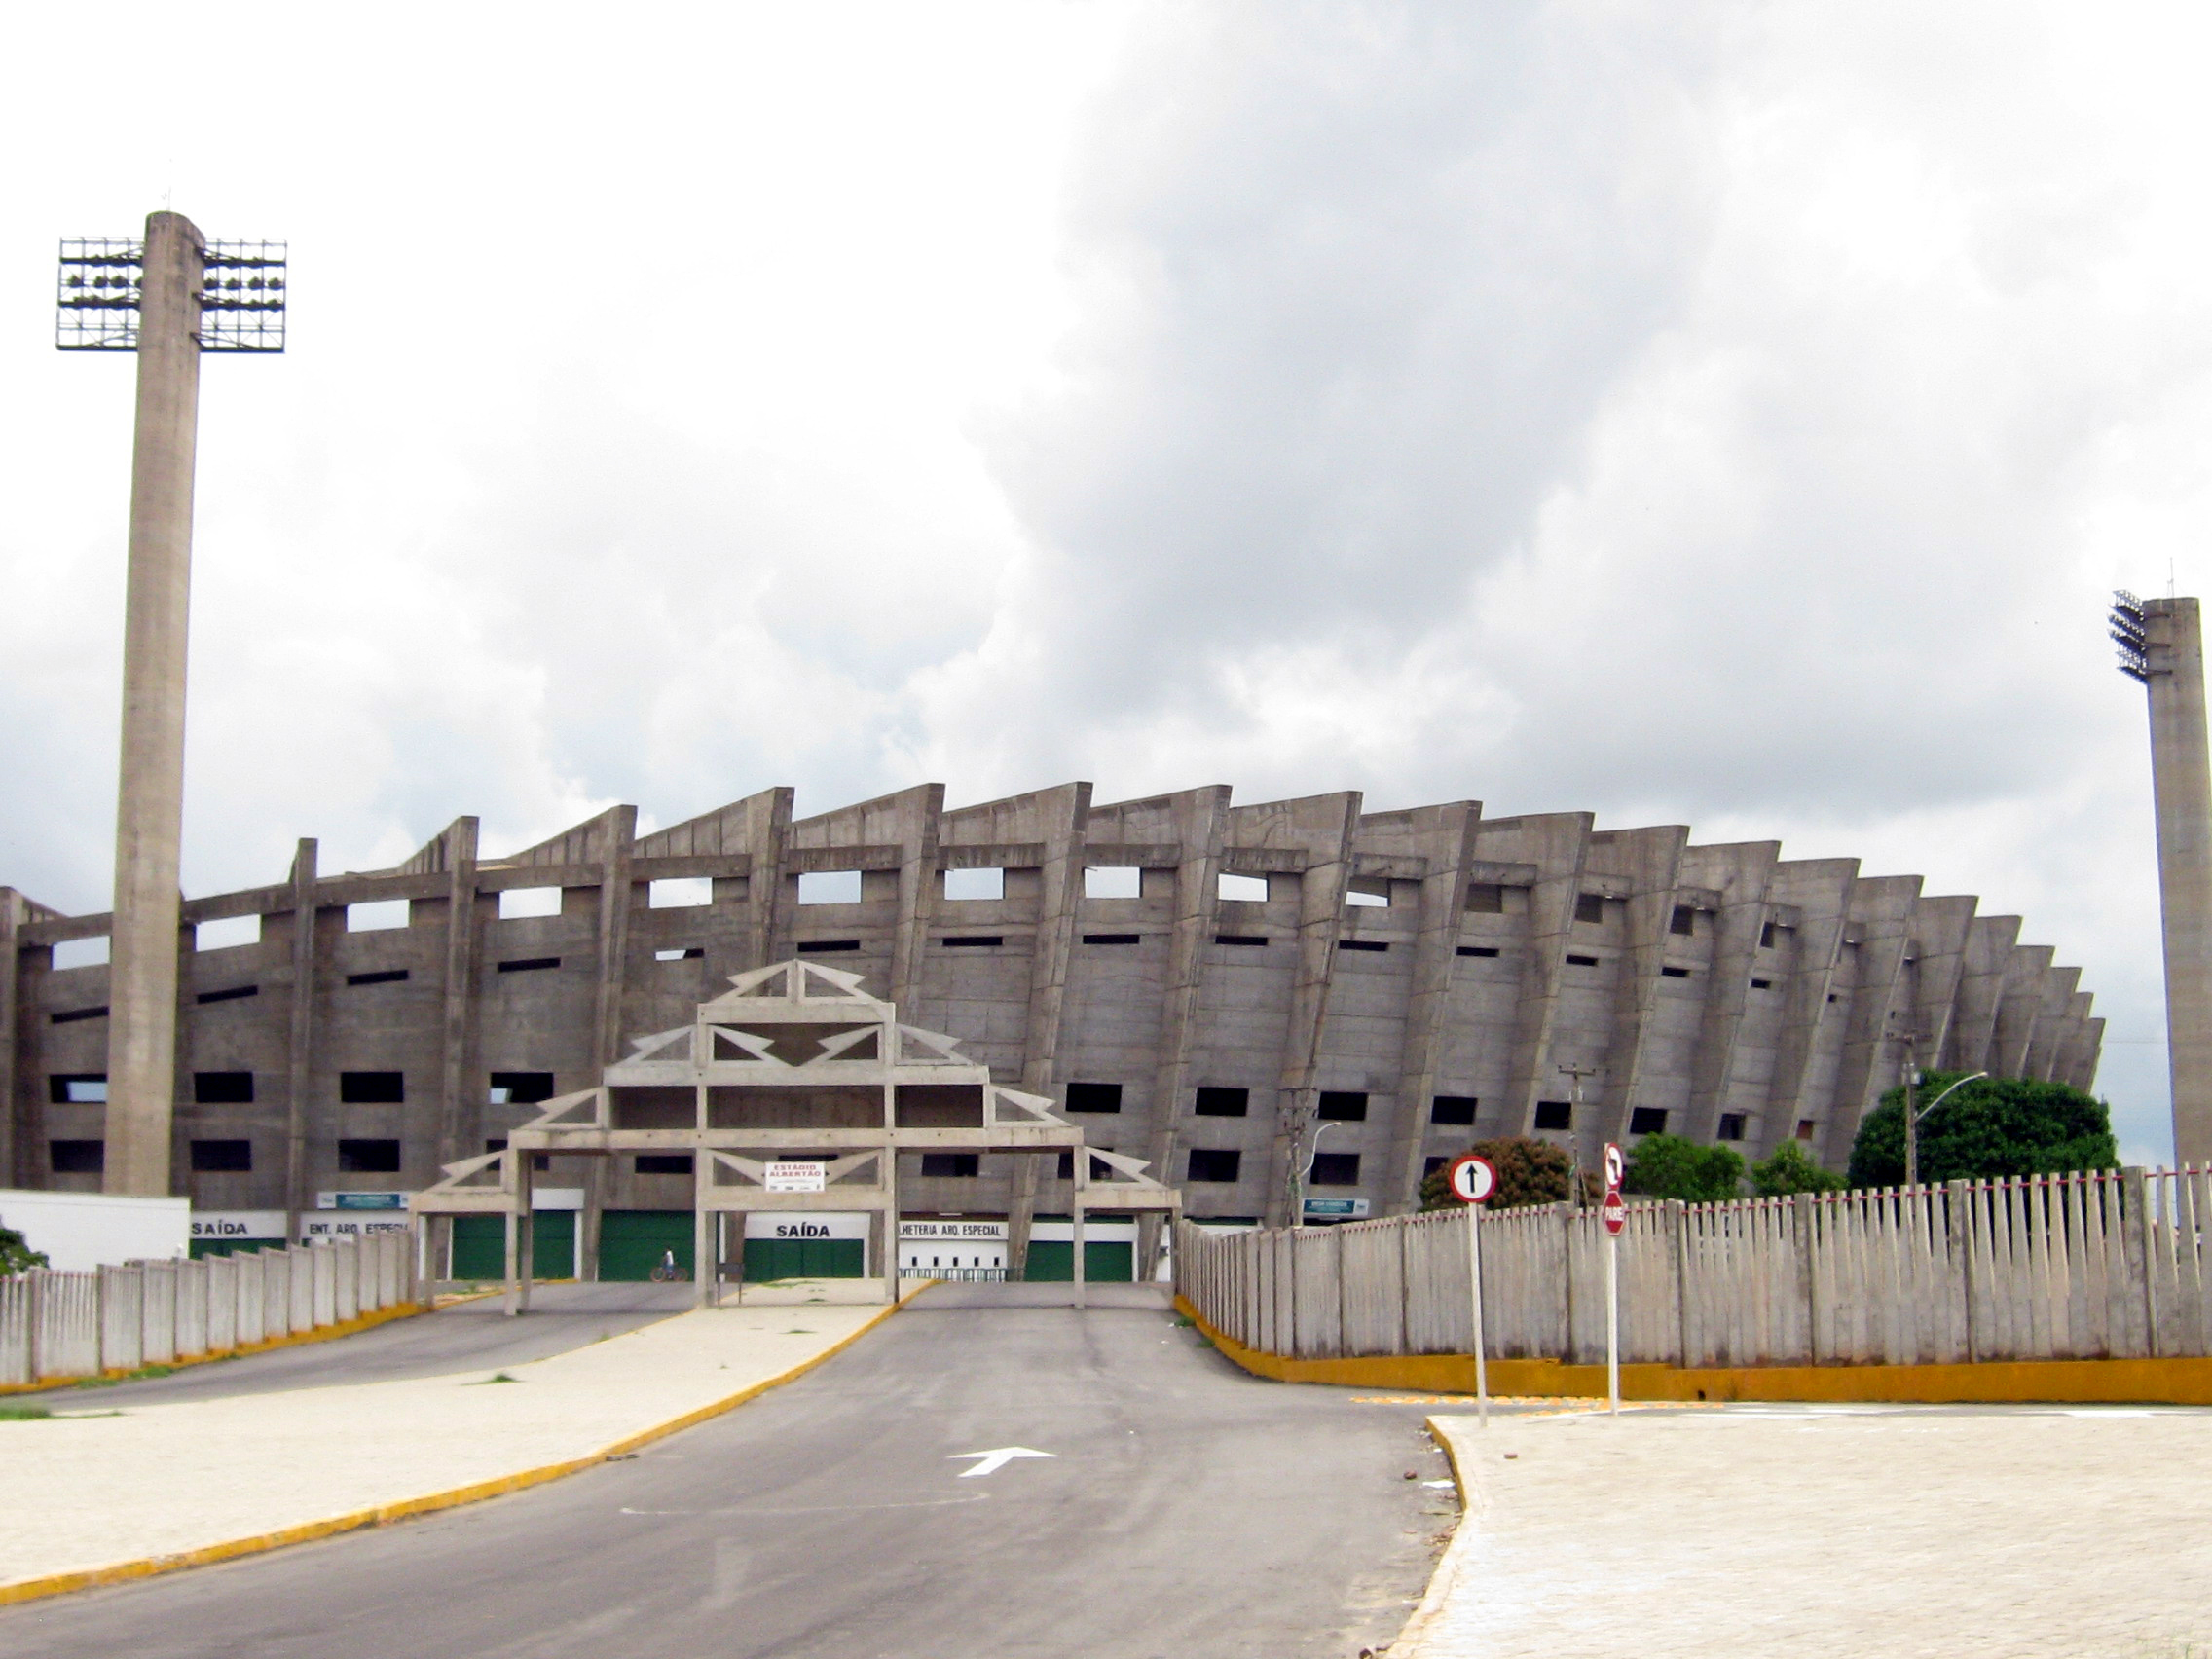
<point x="168" y="298"/>
<point x="1574" y="1099"/>
<point x="2162" y="647"/>
<point x="1911" y="1109"/>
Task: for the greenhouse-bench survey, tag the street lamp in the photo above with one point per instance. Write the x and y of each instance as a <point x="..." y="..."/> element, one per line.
<point x="1298" y="1186"/>
<point x="1913" y="1118"/>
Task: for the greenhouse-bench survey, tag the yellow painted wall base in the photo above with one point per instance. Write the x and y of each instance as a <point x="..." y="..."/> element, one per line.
<point x="2049" y="1381"/>
<point x="322" y="1334"/>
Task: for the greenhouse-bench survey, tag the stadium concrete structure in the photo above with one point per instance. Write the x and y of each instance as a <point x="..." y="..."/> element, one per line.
<point x="1223" y="991"/>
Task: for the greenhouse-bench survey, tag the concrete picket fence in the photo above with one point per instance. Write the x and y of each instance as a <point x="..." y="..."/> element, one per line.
<point x="55" y="1326"/>
<point x="2101" y="1265"/>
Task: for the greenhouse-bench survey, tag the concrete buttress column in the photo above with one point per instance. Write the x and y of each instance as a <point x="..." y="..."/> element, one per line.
<point x="2181" y="777"/>
<point x="142" y="976"/>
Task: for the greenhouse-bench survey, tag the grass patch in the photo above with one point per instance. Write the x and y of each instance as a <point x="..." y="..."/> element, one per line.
<point x="495" y="1377"/>
<point x="22" y="1414"/>
<point x="1186" y="1321"/>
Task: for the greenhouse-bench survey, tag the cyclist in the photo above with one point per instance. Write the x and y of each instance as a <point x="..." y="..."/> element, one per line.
<point x="667" y="1272"/>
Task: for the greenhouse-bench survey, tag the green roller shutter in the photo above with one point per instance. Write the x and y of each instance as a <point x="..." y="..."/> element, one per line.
<point x="804" y="1258"/>
<point x="201" y="1247"/>
<point x="1051" y="1261"/>
<point x="631" y="1242"/>
<point x="480" y="1245"/>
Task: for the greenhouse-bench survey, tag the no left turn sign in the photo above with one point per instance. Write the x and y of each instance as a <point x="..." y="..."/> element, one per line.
<point x="1614" y="1165"/>
<point x="1472" y="1179"/>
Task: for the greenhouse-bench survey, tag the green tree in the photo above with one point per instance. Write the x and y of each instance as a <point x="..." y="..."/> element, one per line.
<point x="1530" y="1171"/>
<point x="1669" y="1167"/>
<point x="1791" y="1169"/>
<point x="1993" y="1127"/>
<point x="16" y="1253"/>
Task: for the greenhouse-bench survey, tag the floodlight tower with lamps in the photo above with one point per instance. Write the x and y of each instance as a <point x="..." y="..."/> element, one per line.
<point x="168" y="298"/>
<point x="2162" y="647"/>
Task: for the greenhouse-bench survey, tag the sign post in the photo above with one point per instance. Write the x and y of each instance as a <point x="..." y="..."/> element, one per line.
<point x="1473" y="1180"/>
<point x="1615" y="1215"/>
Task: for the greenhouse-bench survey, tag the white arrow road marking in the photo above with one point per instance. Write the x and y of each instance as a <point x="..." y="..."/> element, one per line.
<point x="994" y="1460"/>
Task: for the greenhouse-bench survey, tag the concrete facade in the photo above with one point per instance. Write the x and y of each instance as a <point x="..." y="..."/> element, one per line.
<point x="1380" y="978"/>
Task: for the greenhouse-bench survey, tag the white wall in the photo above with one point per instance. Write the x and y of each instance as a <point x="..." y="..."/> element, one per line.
<point x="83" y="1229"/>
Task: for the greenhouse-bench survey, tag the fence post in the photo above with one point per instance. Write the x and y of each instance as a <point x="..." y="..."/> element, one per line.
<point x="1678" y="1233"/>
<point x="1566" y="1215"/>
<point x="2135" y="1236"/>
<point x="1958" y="1226"/>
<point x="1802" y="1236"/>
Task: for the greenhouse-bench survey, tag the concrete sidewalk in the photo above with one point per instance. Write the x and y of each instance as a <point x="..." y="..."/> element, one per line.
<point x="1738" y="1534"/>
<point x="95" y="1494"/>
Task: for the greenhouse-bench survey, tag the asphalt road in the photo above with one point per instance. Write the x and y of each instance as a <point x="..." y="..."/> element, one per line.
<point x="1187" y="1511"/>
<point x="462" y="1338"/>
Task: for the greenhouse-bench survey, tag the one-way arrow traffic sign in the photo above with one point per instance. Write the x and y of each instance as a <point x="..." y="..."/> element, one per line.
<point x="994" y="1460"/>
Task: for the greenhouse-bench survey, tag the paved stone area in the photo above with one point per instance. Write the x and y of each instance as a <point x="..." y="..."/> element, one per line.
<point x="2014" y="1533"/>
<point x="100" y="1484"/>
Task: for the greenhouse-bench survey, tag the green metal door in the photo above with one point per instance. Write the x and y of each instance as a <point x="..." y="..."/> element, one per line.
<point x="804" y="1258"/>
<point x="1051" y="1261"/>
<point x="480" y="1245"/>
<point x="631" y="1242"/>
<point x="203" y="1247"/>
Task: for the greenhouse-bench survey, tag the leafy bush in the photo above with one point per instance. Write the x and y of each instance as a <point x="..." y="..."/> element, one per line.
<point x="1669" y="1167"/>
<point x="1530" y="1171"/>
<point x="1993" y="1127"/>
<point x="1791" y="1169"/>
<point x="16" y="1253"/>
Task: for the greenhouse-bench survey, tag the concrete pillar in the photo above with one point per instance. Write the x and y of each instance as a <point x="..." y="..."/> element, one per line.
<point x="298" y="1048"/>
<point x="2181" y="776"/>
<point x="142" y="975"/>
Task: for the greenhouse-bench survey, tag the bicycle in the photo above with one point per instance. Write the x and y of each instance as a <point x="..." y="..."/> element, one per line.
<point x="665" y="1271"/>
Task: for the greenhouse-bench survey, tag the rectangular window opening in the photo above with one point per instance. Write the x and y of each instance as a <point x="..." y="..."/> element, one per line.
<point x="964" y="885"/>
<point x="1334" y="1169"/>
<point x="1581" y="961"/>
<point x="1805" y="1128"/>
<point x="1342" y="1106"/>
<point x="952" y="1166"/>
<point x="974" y="941"/>
<point x="1762" y="984"/>
<point x="1732" y="1126"/>
<point x="680" y="891"/>
<point x="1478" y="950"/>
<point x="825" y="946"/>
<point x="1243" y="889"/>
<point x="222" y="1089"/>
<point x="1113" y="938"/>
<point x="518" y="903"/>
<point x="1213" y="1102"/>
<point x="1361" y="945"/>
<point x="1430" y="1167"/>
<point x="529" y="964"/>
<point x="520" y="1087"/>
<point x="376" y="915"/>
<point x="1555" y="1114"/>
<point x="372" y="1088"/>
<point x="1647" y="1121"/>
<point x="1767" y="936"/>
<point x="1094" y="1097"/>
<point x="77" y="1088"/>
<point x="382" y="977"/>
<point x="70" y="1017"/>
<point x="664" y="1164"/>
<point x="1590" y="907"/>
<point x="80" y="953"/>
<point x="77" y="1156"/>
<point x="1213" y="1163"/>
<point x="1673" y="973"/>
<point x="230" y="993"/>
<point x="1239" y="939"/>
<point x="1486" y="898"/>
<point x="368" y="1158"/>
<point x="222" y="1157"/>
<point x="1369" y="893"/>
<point x="227" y="933"/>
<point x="1452" y="1109"/>
<point x="830" y="887"/>
<point x="1684" y="920"/>
<point x="1113" y="881"/>
<point x="684" y="953"/>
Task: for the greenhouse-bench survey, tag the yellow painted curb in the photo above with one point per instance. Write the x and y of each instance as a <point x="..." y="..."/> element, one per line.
<point x="383" y="1515"/>
<point x="2038" y="1382"/>
<point x="296" y="1339"/>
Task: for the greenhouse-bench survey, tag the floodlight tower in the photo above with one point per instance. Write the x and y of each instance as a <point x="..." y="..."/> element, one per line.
<point x="168" y="298"/>
<point x="2162" y="647"/>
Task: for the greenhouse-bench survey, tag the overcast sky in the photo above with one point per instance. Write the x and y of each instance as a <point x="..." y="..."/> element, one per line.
<point x="1730" y="413"/>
